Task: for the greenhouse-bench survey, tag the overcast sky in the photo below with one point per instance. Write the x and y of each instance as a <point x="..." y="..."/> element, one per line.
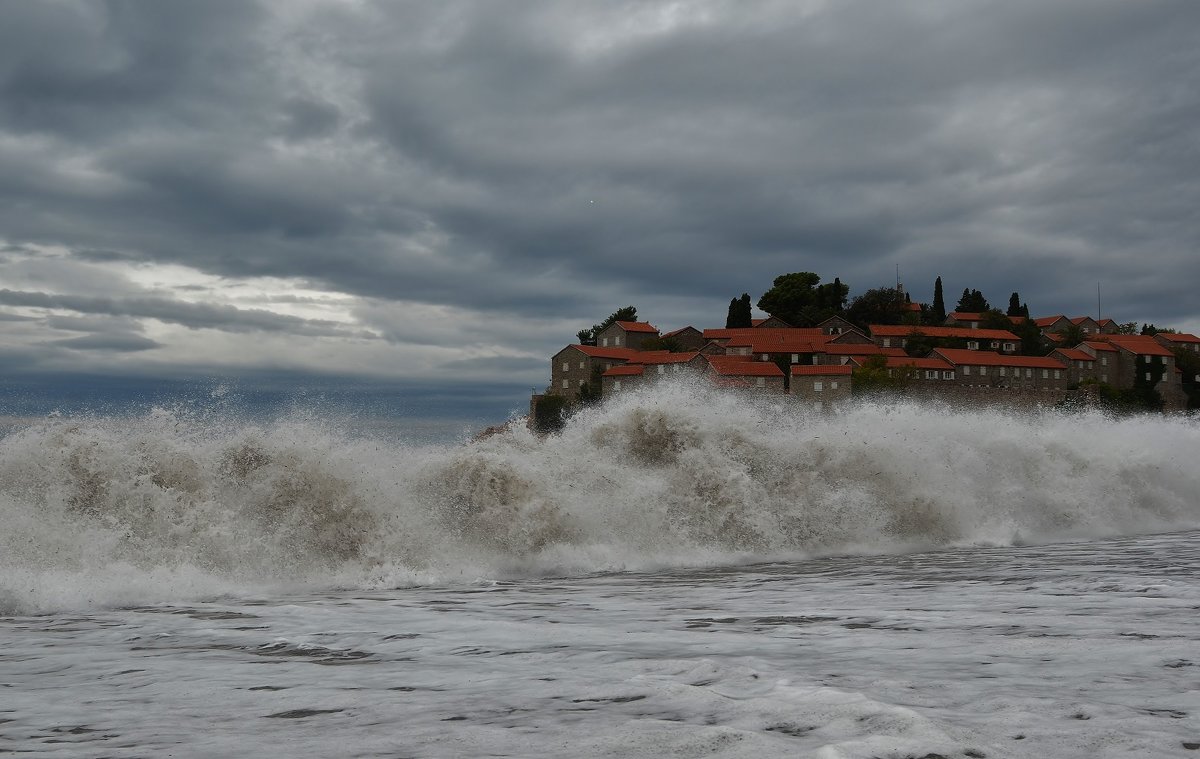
<point x="442" y="192"/>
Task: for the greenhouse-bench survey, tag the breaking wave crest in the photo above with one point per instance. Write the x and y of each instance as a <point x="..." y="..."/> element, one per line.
<point x="113" y="511"/>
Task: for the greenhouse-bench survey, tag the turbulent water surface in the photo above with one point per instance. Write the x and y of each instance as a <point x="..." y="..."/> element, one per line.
<point x="675" y="575"/>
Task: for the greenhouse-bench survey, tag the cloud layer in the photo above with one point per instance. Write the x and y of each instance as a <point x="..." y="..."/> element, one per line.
<point x="448" y="190"/>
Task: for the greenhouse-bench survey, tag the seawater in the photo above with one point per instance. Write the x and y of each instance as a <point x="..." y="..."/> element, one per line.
<point x="676" y="574"/>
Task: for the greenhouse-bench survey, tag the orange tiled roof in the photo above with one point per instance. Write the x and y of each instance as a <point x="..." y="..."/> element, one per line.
<point x="987" y="358"/>
<point x="1142" y="345"/>
<point x="596" y="351"/>
<point x="673" y="333"/>
<point x="1046" y="321"/>
<point x="1100" y="346"/>
<point x="905" y="330"/>
<point x="637" y="327"/>
<point x="861" y="349"/>
<point x="966" y="316"/>
<point x="625" y="370"/>
<point x="820" y="371"/>
<point x="758" y="333"/>
<point x="1075" y="354"/>
<point x="663" y="357"/>
<point x="743" y="367"/>
<point x="1179" y="337"/>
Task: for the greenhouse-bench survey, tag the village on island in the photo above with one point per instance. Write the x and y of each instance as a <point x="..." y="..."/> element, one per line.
<point x="819" y="351"/>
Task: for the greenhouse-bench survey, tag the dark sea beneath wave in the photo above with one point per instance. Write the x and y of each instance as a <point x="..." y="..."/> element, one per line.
<point x="677" y="574"/>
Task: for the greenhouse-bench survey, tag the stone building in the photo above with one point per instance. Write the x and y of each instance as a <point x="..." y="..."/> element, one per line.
<point x="989" y="369"/>
<point x="626" y="335"/>
<point x="737" y="372"/>
<point x="976" y="339"/>
<point x="822" y="386"/>
<point x="576" y="364"/>
<point x="687" y="338"/>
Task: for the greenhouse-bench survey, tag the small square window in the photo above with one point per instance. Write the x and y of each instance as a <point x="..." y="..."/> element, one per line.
<point x="1057" y="374"/>
<point x="616" y="384"/>
<point x="795" y="358"/>
<point x="660" y="368"/>
<point x="566" y="367"/>
<point x="947" y="375"/>
<point x="762" y="382"/>
<point x="833" y="385"/>
<point x="566" y="384"/>
<point x="818" y="386"/>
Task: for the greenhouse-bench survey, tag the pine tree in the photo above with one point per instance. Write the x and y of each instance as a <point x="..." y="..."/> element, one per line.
<point x="1014" y="305"/>
<point x="732" y="317"/>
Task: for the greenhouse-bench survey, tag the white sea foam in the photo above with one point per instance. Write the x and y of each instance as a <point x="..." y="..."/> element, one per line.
<point x="106" y="511"/>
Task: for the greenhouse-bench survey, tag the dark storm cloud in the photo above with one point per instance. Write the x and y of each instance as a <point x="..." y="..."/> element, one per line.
<point x="190" y="315"/>
<point x="548" y="160"/>
<point x="122" y="343"/>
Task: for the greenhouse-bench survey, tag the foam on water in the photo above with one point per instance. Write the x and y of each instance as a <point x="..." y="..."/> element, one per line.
<point x="108" y="511"/>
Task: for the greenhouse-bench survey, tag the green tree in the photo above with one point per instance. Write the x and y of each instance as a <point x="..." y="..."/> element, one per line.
<point x="1189" y="364"/>
<point x="661" y="344"/>
<point x="1072" y="336"/>
<point x="625" y="314"/>
<point x="938" y="315"/>
<point x="798" y="300"/>
<point x="1150" y="329"/>
<point x="881" y="305"/>
<point x="550" y="413"/>
<point x="919" y="345"/>
<point x="874" y="377"/>
<point x="740" y="315"/>
<point x="1016" y="307"/>
<point x="1127" y="328"/>
<point x="972" y="302"/>
<point x="1032" y="342"/>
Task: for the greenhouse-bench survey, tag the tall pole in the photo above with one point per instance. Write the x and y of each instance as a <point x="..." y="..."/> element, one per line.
<point x="1098" y="312"/>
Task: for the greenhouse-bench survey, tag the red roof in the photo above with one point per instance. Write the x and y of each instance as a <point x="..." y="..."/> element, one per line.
<point x="912" y="307"/>
<point x="1099" y="346"/>
<point x="758" y="333"/>
<point x="1074" y="354"/>
<point x="739" y="366"/>
<point x="679" y="331"/>
<point x="897" y="362"/>
<point x="966" y="316"/>
<point x="861" y="349"/>
<point x="905" y="330"/>
<point x="1142" y="345"/>
<point x="821" y="371"/>
<point x="1179" y="337"/>
<point x="663" y="357"/>
<point x="637" y="327"/>
<point x="623" y="354"/>
<point x="1081" y="319"/>
<point x="987" y="358"/>
<point x="625" y="370"/>
<point x="1046" y="321"/>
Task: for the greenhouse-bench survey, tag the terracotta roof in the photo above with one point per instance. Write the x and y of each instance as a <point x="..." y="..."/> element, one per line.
<point x="896" y="362"/>
<point x="625" y="370"/>
<point x="1046" y="321"/>
<point x="679" y="331"/>
<point x="861" y="349"/>
<point x="987" y="358"/>
<point x="758" y="333"/>
<point x="744" y="368"/>
<point x="1142" y="345"/>
<point x="1104" y="322"/>
<point x="966" y="316"/>
<point x="1081" y="319"/>
<point x="637" y="327"/>
<point x="1075" y="354"/>
<point x="623" y="354"/>
<point x="756" y="322"/>
<point x="1099" y="346"/>
<point x="1179" y="337"/>
<point x="662" y="357"/>
<point x="904" y="330"/>
<point x="821" y="371"/>
<point x="912" y="307"/>
<point x="1017" y="319"/>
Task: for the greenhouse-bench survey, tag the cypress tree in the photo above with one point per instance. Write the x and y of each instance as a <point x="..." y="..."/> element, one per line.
<point x="1014" y="305"/>
<point x="939" y="303"/>
<point x="732" y="317"/>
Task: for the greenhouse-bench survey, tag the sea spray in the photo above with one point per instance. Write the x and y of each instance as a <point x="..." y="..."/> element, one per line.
<point x="172" y="504"/>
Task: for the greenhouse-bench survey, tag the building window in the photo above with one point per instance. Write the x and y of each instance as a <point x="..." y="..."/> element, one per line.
<point x="1104" y="378"/>
<point x="948" y="375"/>
<point x="1045" y="374"/>
<point x="1104" y="361"/>
<point x="1002" y="371"/>
<point x="887" y="342"/>
<point x="995" y="344"/>
<point x="581" y="365"/>
<point x="1057" y="374"/>
<point x="566" y="367"/>
<point x="616" y="384"/>
<point x="833" y="385"/>
<point x="966" y="371"/>
<point x="930" y="374"/>
<point x="660" y="368"/>
<point x="604" y="342"/>
<point x="566" y="384"/>
<point x="617" y="340"/>
<point x="1008" y="347"/>
<point x="1028" y="374"/>
<point x="818" y="386"/>
<point x="972" y="345"/>
<point x="1147" y="376"/>
<point x="795" y="358"/>
<point x="761" y="381"/>
<point x="835" y="330"/>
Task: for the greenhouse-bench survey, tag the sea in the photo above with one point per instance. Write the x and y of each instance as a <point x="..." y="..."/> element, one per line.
<point x="678" y="573"/>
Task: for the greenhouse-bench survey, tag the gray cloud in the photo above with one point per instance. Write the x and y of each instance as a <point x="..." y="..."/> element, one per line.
<point x="542" y="161"/>
<point x="123" y="343"/>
